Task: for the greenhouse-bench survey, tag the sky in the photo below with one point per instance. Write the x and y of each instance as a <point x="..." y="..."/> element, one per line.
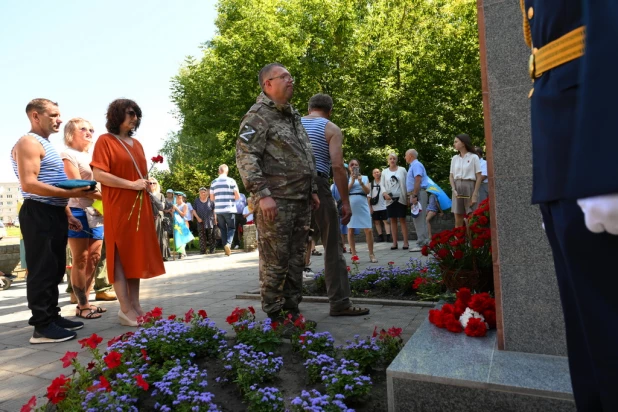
<point x="85" y="54"/>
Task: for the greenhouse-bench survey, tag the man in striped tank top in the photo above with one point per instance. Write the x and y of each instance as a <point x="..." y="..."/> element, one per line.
<point x="327" y="140"/>
<point x="45" y="219"/>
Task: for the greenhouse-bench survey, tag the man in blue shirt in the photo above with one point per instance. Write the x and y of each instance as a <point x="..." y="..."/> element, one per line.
<point x="416" y="185"/>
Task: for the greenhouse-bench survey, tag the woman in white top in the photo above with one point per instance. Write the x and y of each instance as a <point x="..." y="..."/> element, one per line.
<point x="465" y="178"/>
<point x="85" y="245"/>
<point x="358" y="189"/>
<point x="393" y="185"/>
<point x="377" y="208"/>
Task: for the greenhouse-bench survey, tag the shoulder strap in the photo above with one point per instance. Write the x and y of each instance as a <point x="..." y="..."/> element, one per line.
<point x="132" y="158"/>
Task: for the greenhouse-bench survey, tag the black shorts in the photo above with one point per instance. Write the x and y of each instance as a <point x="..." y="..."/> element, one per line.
<point x="396" y="210"/>
<point x="379" y="215"/>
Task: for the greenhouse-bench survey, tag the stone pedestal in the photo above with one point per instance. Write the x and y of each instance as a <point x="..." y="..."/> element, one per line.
<point x="522" y="366"/>
<point x="9" y="257"/>
<point x="249" y="236"/>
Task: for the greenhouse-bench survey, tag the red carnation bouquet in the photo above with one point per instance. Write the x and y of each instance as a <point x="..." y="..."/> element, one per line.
<point x="472" y="314"/>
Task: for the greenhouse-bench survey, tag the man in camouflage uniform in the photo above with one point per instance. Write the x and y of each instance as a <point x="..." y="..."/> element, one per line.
<point x="275" y="160"/>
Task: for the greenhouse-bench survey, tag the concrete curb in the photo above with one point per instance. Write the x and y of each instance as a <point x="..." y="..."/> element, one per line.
<point x="366" y="301"/>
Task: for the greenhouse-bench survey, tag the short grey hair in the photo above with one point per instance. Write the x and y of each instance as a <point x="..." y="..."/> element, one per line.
<point x="392" y="154"/>
<point x="224" y="169"/>
<point x="266" y="71"/>
<point x="413" y="153"/>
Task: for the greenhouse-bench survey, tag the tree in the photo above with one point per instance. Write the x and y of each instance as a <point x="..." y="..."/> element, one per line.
<point x="402" y="73"/>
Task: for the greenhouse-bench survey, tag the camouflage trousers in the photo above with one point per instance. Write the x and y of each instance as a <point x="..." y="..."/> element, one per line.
<point x="282" y="245"/>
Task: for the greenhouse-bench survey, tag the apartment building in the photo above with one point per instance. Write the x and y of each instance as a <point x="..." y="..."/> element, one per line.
<point x="9" y="194"/>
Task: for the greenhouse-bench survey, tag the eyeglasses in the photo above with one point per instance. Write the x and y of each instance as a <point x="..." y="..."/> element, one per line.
<point x="85" y="129"/>
<point x="132" y="113"/>
<point x="152" y="183"/>
<point x="286" y="77"/>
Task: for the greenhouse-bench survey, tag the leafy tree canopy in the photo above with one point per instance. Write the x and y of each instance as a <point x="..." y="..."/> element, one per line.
<point x="402" y="73"/>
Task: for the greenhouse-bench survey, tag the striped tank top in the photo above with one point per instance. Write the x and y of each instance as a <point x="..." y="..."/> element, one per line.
<point x="315" y="130"/>
<point x="51" y="172"/>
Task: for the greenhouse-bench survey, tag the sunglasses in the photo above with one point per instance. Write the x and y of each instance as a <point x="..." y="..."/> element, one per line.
<point x="152" y="183"/>
<point x="85" y="129"/>
<point x="132" y="113"/>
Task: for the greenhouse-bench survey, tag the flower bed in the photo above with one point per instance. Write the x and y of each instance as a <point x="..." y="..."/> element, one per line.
<point x="418" y="280"/>
<point x="188" y="364"/>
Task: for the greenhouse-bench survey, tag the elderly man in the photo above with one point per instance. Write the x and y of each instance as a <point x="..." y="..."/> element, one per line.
<point x="45" y="219"/>
<point x="276" y="163"/>
<point x="224" y="192"/>
<point x="416" y="185"/>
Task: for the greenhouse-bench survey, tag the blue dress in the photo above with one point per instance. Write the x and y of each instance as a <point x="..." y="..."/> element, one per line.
<point x="361" y="218"/>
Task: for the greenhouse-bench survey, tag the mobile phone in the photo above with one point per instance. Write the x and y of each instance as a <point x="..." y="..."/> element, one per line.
<point x="356" y="170"/>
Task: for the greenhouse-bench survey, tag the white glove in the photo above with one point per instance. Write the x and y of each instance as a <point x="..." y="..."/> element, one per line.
<point x="601" y="213"/>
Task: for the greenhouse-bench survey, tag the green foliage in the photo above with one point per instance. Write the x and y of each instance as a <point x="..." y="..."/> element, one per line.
<point x="402" y="73"/>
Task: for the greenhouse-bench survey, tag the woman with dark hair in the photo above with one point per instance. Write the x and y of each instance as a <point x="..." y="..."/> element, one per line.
<point x="358" y="189"/>
<point x="465" y="178"/>
<point x="119" y="163"/>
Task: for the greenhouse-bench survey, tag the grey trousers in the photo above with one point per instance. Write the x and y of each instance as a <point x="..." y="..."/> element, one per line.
<point x="335" y="268"/>
<point x="420" y="224"/>
<point x="483" y="192"/>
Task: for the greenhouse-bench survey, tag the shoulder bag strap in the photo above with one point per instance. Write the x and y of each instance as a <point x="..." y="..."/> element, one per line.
<point x="132" y="158"/>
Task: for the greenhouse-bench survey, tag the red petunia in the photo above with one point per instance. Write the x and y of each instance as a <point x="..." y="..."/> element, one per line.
<point x="92" y="342"/>
<point x="252" y="310"/>
<point x="57" y="391"/>
<point x="458" y="254"/>
<point x="476" y="328"/>
<point x="156" y="312"/>
<point x="451" y="324"/>
<point x="418" y="282"/>
<point x="302" y="339"/>
<point x="443" y="253"/>
<point x="355" y="258"/>
<point x="103" y="383"/>
<point x="113" y="360"/>
<point x="67" y="359"/>
<point x="435" y="317"/>
<point x="300" y="322"/>
<point x="375" y="332"/>
<point x="91" y="366"/>
<point x="141" y="382"/>
<point x="394" y="332"/>
<point x="29" y="406"/>
<point x="114" y="340"/>
<point x="391" y="263"/>
<point x="274" y="325"/>
<point x="233" y="318"/>
<point x="202" y="313"/>
<point x="144" y="354"/>
<point x="189" y="315"/>
<point x="171" y="317"/>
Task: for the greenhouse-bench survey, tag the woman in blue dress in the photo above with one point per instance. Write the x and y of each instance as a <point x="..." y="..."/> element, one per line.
<point x="182" y="234"/>
<point x="358" y="189"/>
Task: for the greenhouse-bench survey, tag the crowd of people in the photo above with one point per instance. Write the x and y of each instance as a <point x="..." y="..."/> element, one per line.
<point x="285" y="161"/>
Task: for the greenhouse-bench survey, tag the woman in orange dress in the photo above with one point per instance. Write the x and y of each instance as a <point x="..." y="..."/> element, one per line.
<point x="119" y="163"/>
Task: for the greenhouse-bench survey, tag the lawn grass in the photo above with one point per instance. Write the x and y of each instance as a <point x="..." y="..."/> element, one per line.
<point x="12" y="231"/>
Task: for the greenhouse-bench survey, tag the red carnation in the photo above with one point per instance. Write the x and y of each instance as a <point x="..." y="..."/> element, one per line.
<point x="433" y="243"/>
<point x="478" y="243"/>
<point x="483" y="220"/>
<point x="252" y="310"/>
<point x="458" y="254"/>
<point x="355" y="258"/>
<point x="348" y="268"/>
<point x="443" y="253"/>
<point x="29" y="406"/>
<point x="448" y="308"/>
<point x="57" y="391"/>
<point x="113" y="360"/>
<point x="141" y="382"/>
<point x="481" y="302"/>
<point x="490" y="318"/>
<point x="476" y="328"/>
<point x="67" y="359"/>
<point x="189" y="315"/>
<point x="435" y="317"/>
<point x="202" y="313"/>
<point x="425" y="251"/>
<point x="451" y="324"/>
<point x="464" y="295"/>
<point x="92" y="342"/>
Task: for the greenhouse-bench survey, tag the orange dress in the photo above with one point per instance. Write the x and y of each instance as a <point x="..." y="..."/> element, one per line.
<point x="137" y="246"/>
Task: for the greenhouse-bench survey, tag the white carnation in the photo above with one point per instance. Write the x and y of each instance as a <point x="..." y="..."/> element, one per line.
<point x="469" y="314"/>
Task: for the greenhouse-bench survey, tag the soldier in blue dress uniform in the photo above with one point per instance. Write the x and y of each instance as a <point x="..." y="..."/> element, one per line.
<point x="574" y="114"/>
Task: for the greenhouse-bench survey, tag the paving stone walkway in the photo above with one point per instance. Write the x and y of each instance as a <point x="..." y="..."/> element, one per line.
<point x="208" y="282"/>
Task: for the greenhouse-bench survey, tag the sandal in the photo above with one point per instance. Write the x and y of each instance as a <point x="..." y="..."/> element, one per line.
<point x="350" y="311"/>
<point x="406" y="247"/>
<point x="372" y="258"/>
<point x="92" y="314"/>
<point x="98" y="309"/>
<point x="316" y="253"/>
<point x="394" y="247"/>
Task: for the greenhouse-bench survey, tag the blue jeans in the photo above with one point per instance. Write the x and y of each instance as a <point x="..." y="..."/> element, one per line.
<point x="227" y="225"/>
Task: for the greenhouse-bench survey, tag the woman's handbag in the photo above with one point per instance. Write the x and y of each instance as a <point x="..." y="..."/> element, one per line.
<point x="374" y="200"/>
<point x="94" y="218"/>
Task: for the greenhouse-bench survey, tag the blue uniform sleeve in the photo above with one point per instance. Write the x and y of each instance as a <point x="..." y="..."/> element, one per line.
<point x="594" y="168"/>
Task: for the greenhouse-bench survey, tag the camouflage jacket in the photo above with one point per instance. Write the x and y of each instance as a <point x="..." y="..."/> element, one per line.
<point x="273" y="152"/>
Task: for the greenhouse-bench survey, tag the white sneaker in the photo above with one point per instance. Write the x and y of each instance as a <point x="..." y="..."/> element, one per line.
<point x="308" y="273"/>
<point x="236" y="247"/>
<point x="415" y="249"/>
